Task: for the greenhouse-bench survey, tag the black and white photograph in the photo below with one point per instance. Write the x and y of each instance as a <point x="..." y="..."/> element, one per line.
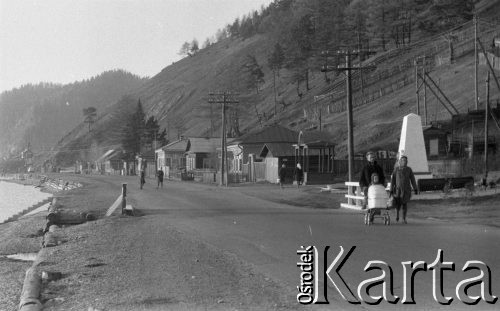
<point x="249" y="155"/>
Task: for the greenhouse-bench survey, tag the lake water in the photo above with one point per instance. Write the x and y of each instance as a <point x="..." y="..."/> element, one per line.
<point x="14" y="198"/>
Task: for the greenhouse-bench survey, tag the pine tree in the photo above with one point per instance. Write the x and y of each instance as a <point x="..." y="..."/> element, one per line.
<point x="255" y="75"/>
<point x="133" y="132"/>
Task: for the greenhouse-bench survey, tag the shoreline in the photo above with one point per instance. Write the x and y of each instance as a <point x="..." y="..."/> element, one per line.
<point x="94" y="254"/>
<point x="24" y="201"/>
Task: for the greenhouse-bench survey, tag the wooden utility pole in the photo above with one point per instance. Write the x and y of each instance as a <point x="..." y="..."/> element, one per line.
<point x="424" y="73"/>
<point x="486" y="108"/>
<point x="350" y="124"/>
<point x="415" y="62"/>
<point x="223" y="98"/>
<point x="417" y="87"/>
<point x="476" y="95"/>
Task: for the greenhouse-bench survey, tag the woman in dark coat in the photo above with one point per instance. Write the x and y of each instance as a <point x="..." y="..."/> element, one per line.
<point x="299" y="175"/>
<point x="143" y="179"/>
<point x="282" y="175"/>
<point x="402" y="181"/>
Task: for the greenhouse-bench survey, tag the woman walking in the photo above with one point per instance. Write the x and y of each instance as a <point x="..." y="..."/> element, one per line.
<point x="299" y="175"/>
<point x="402" y="181"/>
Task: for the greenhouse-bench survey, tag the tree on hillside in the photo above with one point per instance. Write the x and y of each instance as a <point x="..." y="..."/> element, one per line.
<point x="254" y="73"/>
<point x="439" y="16"/>
<point x="234" y="28"/>
<point x="134" y="129"/>
<point x="254" y="78"/>
<point x="194" y="47"/>
<point x="89" y="114"/>
<point x="356" y="16"/>
<point x="301" y="48"/>
<point x="378" y="20"/>
<point x="275" y="61"/>
<point x="185" y="49"/>
<point x="153" y="134"/>
<point x="221" y="34"/>
<point x="206" y="44"/>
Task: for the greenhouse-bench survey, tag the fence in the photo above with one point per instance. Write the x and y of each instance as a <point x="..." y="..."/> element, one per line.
<point x="205" y="176"/>
<point x="400" y="74"/>
<point x="463" y="167"/>
<point x="260" y="171"/>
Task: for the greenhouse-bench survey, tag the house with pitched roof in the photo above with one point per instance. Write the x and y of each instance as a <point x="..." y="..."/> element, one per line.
<point x="201" y="153"/>
<point x="171" y="158"/>
<point x="260" y="153"/>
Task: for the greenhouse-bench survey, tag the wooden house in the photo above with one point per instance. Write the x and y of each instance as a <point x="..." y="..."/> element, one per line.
<point x="172" y="157"/>
<point x="201" y="153"/>
<point x="110" y="162"/>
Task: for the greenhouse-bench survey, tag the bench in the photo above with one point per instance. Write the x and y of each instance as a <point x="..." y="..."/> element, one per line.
<point x="353" y="193"/>
<point x="461" y="182"/>
<point x="431" y="184"/>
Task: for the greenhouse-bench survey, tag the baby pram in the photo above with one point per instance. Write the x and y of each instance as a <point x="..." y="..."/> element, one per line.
<point x="377" y="206"/>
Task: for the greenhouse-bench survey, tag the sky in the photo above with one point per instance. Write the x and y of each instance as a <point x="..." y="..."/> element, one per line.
<point x="63" y="41"/>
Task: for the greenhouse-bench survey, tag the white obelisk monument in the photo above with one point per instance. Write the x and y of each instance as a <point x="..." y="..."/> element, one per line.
<point x="412" y="146"/>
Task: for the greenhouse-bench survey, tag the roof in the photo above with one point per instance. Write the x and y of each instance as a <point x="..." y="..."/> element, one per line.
<point x="277" y="150"/>
<point x="179" y="146"/>
<point x="271" y="134"/>
<point x="202" y="145"/>
<point x="253" y="149"/>
<point x="108" y="155"/>
<point x="317" y="138"/>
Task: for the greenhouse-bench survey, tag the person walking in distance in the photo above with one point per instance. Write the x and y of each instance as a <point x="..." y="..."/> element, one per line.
<point x="402" y="181"/>
<point x="143" y="178"/>
<point x="159" y="176"/>
<point x="299" y="175"/>
<point x="368" y="170"/>
<point x="282" y="175"/>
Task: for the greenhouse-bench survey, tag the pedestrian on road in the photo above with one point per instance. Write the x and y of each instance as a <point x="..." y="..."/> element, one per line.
<point x="159" y="176"/>
<point x="402" y="181"/>
<point x="370" y="168"/>
<point x="282" y="175"/>
<point x="299" y="175"/>
<point x="143" y="178"/>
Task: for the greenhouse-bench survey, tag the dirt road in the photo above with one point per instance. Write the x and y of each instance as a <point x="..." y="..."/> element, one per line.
<point x="197" y="246"/>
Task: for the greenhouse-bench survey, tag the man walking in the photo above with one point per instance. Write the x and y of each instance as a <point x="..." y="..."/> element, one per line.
<point x="370" y="168"/>
<point x="159" y="175"/>
<point x="143" y="178"/>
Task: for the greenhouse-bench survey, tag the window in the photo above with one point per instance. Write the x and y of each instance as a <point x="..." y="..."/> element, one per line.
<point x="434" y="147"/>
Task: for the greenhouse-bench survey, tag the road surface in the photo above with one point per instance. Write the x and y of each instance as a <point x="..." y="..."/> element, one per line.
<point x="267" y="235"/>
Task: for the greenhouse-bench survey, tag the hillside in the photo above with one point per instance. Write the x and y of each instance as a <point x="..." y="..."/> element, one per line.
<point x="178" y="95"/>
<point x="42" y="114"/>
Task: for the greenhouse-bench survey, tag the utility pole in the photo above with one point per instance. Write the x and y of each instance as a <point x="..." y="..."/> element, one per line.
<point x="350" y="124"/>
<point x="424" y="73"/>
<point x="486" y="111"/>
<point x="476" y="95"/>
<point x="223" y="98"/>
<point x="156" y="160"/>
<point x="417" y="87"/>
